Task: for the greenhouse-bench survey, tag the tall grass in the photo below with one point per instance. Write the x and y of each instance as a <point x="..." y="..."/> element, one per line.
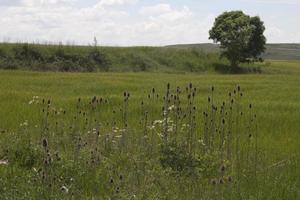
<point x="165" y="147"/>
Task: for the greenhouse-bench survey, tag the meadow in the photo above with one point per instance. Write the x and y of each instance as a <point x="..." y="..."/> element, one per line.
<point x="128" y="136"/>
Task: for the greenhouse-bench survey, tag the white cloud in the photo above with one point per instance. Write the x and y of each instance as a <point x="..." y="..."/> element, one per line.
<point x="156" y="9"/>
<point x="276" y="34"/>
<point x="286" y="2"/>
<point x="115" y="2"/>
<point x="39" y="3"/>
<point x="112" y="23"/>
<point x="59" y="20"/>
<point x="9" y="2"/>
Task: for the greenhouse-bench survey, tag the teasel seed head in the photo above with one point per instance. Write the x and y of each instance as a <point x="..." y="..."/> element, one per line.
<point x="213" y="182"/>
<point x="221" y="181"/>
<point x="223" y="168"/>
<point x="45" y="143"/>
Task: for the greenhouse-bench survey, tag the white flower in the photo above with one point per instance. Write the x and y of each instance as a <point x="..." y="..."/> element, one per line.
<point x="64" y="189"/>
<point x="3" y="162"/>
<point x="157" y="122"/>
<point x="115" y="130"/>
<point x="151" y="127"/>
<point x="170" y="129"/>
<point x="172" y="107"/>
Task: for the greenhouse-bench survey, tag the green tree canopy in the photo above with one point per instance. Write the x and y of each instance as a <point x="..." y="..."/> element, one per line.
<point x="241" y="37"/>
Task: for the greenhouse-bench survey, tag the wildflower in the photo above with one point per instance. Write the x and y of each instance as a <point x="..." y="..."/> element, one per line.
<point x="64" y="189"/>
<point x="158" y="122"/>
<point x="170" y="128"/>
<point x="24" y="123"/>
<point x="3" y="162"/>
<point x="172" y="107"/>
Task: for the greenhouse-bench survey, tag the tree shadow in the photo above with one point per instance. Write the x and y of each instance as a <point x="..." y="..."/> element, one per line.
<point x="226" y="69"/>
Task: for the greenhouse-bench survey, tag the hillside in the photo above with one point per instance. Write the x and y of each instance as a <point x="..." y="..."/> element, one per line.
<point x="282" y="51"/>
<point x="201" y="58"/>
<point x="119" y="59"/>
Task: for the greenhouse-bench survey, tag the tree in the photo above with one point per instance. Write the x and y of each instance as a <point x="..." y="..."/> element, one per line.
<point x="240" y="36"/>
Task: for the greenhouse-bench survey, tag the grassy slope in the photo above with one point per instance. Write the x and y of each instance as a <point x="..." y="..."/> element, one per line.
<point x="201" y="58"/>
<point x="122" y="59"/>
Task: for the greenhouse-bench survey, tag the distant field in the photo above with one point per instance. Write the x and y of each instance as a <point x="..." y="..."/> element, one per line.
<point x="273" y="51"/>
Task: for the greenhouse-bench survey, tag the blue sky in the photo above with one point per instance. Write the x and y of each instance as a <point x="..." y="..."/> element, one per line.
<point x="138" y="22"/>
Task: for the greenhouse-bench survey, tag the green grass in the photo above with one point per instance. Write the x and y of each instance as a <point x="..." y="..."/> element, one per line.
<point x="275" y="98"/>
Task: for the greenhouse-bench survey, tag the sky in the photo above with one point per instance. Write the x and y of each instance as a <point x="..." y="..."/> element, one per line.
<point x="138" y="22"/>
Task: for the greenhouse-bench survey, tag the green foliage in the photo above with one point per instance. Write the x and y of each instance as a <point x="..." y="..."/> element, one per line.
<point x="240" y="35"/>
<point x="93" y="58"/>
<point x="176" y="157"/>
<point x="27" y="53"/>
<point x="134" y="169"/>
<point x="54" y="58"/>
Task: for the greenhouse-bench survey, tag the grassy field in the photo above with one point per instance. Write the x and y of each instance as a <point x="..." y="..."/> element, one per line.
<point x="137" y="170"/>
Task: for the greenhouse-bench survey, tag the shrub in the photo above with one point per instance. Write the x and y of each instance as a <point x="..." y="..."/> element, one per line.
<point x="27" y="53"/>
<point x="98" y="59"/>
